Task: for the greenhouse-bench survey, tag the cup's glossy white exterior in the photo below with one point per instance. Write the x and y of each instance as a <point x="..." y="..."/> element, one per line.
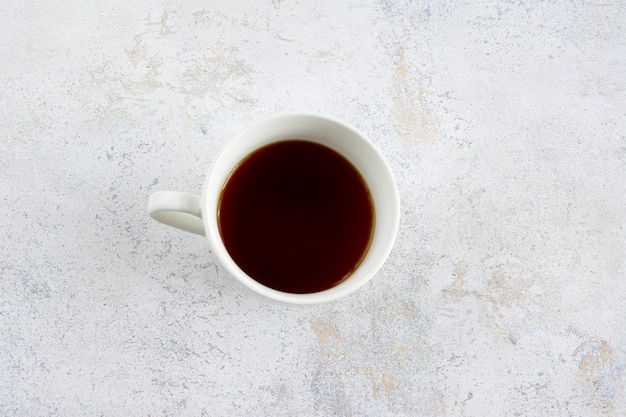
<point x="199" y="214"/>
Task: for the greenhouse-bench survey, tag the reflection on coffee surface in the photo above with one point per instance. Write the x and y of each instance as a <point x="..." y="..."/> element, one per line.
<point x="296" y="216"/>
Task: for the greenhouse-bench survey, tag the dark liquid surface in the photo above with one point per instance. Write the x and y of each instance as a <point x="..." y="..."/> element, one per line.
<point x="296" y="216"/>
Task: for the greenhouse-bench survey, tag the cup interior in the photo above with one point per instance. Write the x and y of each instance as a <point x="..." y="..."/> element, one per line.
<point x="345" y="140"/>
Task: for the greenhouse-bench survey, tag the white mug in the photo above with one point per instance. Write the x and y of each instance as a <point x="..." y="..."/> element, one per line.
<point x="198" y="214"/>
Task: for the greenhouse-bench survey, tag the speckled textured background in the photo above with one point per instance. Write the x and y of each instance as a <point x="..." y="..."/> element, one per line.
<point x="504" y="123"/>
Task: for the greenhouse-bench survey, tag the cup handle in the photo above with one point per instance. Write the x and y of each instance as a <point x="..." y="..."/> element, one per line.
<point x="177" y="209"/>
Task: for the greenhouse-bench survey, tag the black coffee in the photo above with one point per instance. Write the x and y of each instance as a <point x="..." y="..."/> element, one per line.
<point x="296" y="216"/>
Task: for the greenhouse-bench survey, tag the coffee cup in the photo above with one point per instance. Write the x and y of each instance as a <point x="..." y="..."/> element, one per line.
<point x="293" y="196"/>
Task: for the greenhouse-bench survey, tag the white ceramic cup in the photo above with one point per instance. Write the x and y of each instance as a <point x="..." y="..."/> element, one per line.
<point x="198" y="214"/>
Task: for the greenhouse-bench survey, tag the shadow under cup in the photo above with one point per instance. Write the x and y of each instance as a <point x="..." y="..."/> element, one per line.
<point x="273" y="184"/>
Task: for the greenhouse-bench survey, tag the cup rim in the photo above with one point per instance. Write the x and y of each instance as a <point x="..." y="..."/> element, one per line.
<point x="344" y="288"/>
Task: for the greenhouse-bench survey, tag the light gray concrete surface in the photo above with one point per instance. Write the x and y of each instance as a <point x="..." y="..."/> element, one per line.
<point x="504" y="123"/>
